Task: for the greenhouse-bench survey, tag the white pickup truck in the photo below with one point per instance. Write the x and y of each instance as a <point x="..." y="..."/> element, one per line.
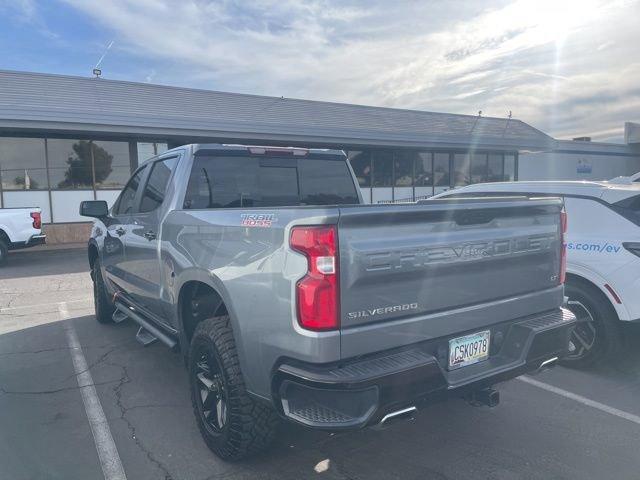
<point x="19" y="228"/>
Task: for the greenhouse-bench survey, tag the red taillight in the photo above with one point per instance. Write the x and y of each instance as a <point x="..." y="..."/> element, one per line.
<point x="563" y="248"/>
<point x="317" y="292"/>
<point x="37" y="220"/>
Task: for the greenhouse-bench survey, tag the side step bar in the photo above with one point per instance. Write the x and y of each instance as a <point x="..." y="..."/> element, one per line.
<point x="150" y="329"/>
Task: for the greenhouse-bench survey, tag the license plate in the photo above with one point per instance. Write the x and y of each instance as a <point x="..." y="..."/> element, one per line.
<point x="469" y="349"/>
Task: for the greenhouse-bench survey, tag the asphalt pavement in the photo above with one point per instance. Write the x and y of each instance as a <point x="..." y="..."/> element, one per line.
<point x="564" y="424"/>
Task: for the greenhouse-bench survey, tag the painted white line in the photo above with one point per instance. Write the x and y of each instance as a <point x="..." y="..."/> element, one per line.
<point x="583" y="400"/>
<point x="21" y="307"/>
<point x="105" y="446"/>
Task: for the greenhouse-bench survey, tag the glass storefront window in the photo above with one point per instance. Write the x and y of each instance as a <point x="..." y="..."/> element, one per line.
<point x="509" y="168"/>
<point x="478" y="167"/>
<point x="147" y="150"/>
<point x="494" y="168"/>
<point x="361" y="164"/>
<point x="112" y="164"/>
<point x="403" y="168"/>
<point x="70" y="164"/>
<point x="77" y="164"/>
<point x="461" y="167"/>
<point x="423" y="170"/>
<point x="23" y="164"/>
<point x="441" y="174"/>
<point x="382" y="168"/>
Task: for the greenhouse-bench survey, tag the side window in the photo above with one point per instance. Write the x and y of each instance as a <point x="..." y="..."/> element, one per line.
<point x="156" y="188"/>
<point x="128" y="195"/>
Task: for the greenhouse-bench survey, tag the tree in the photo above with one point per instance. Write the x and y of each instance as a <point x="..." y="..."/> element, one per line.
<point x="80" y="172"/>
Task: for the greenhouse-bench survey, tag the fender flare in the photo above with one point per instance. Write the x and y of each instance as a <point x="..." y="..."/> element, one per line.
<point x="209" y="279"/>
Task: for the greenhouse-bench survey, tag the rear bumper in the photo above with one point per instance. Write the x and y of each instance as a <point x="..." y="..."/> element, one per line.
<point x="32" y="241"/>
<point x="362" y="391"/>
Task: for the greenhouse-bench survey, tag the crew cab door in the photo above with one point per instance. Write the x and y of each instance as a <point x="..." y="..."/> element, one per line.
<point x="144" y="278"/>
<point x="114" y="252"/>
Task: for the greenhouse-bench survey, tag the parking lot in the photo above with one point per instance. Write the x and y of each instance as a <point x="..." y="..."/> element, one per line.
<point x="559" y="424"/>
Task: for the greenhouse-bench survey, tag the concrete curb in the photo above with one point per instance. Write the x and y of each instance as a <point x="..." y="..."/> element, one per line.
<point x="47" y="248"/>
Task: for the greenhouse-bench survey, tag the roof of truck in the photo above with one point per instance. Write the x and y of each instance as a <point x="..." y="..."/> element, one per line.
<point x="609" y="192"/>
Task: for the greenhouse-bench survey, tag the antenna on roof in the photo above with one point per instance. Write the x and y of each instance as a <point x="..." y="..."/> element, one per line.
<point x="476" y="122"/>
<point x="96" y="70"/>
<point x="506" y="124"/>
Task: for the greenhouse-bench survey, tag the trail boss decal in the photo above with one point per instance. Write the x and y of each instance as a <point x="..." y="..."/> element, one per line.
<point x="257" y="219"/>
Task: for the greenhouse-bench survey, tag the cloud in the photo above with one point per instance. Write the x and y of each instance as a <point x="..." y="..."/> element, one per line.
<point x="542" y="59"/>
<point x="26" y="12"/>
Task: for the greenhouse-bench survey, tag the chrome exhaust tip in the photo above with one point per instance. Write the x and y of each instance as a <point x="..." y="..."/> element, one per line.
<point x="397" y="415"/>
<point x="546" y="365"/>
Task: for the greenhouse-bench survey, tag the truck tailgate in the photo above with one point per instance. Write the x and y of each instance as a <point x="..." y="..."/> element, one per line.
<point x="410" y="273"/>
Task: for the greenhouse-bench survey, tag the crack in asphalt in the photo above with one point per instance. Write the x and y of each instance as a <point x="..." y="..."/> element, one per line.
<point x="117" y="389"/>
<point x="102" y="358"/>
<point x="4" y="391"/>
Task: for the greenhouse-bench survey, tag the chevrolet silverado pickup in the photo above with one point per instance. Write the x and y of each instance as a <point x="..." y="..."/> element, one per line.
<point x="19" y="228"/>
<point x="290" y="299"/>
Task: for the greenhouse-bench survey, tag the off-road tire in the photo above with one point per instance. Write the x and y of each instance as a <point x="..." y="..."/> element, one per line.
<point x="250" y="426"/>
<point x="608" y="338"/>
<point x="4" y="252"/>
<point x="103" y="304"/>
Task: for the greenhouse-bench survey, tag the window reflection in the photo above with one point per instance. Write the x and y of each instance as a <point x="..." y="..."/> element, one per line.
<point x="22" y="164"/>
<point x="478" y="168"/>
<point x="78" y="164"/>
<point x="494" y="168"/>
<point x="112" y="164"/>
<point x="403" y="168"/>
<point x="461" y="167"/>
<point x="361" y="164"/>
<point x="441" y="175"/>
<point x="382" y="168"/>
<point x="509" y="168"/>
<point x="424" y="170"/>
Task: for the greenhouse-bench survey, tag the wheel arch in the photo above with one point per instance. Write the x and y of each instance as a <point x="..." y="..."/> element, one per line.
<point x="198" y="279"/>
<point x="597" y="285"/>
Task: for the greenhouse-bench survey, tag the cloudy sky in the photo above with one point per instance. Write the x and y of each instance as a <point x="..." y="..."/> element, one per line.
<point x="570" y="68"/>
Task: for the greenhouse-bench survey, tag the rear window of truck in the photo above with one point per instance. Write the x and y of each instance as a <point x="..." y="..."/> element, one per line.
<point x="254" y="181"/>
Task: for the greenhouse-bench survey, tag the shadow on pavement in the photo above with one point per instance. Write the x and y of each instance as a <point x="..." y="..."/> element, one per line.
<point x="24" y="263"/>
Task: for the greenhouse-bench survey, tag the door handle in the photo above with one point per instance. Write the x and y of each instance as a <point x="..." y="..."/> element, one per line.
<point x="120" y="231"/>
<point x="150" y="235"/>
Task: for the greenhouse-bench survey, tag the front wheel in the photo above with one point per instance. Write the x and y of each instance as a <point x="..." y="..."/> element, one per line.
<point x="596" y="336"/>
<point x="103" y="305"/>
<point x="232" y="423"/>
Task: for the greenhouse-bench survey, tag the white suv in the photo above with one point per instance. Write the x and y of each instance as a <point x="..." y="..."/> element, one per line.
<point x="603" y="256"/>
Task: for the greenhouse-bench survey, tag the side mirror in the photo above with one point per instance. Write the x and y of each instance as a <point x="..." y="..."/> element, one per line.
<point x="94" y="208"/>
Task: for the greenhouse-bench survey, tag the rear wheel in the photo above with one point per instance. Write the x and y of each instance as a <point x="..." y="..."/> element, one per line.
<point x="4" y="252"/>
<point x="232" y="423"/>
<point x="103" y="304"/>
<point x="596" y="336"/>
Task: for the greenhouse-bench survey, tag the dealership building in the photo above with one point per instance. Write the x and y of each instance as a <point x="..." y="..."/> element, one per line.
<point x="65" y="139"/>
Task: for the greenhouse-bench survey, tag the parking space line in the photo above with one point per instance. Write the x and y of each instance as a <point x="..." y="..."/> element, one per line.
<point x="583" y="400"/>
<point x="105" y="446"/>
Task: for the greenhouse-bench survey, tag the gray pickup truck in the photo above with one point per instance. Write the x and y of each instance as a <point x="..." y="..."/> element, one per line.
<point x="288" y="298"/>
